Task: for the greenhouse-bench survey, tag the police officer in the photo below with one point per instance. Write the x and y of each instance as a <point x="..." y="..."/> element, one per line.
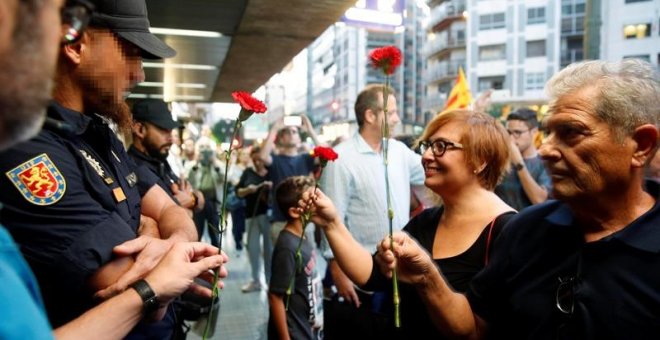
<point x="71" y="195"/>
<point x="152" y="139"/>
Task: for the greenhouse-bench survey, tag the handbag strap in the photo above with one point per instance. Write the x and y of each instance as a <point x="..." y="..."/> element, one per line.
<point x="488" y="240"/>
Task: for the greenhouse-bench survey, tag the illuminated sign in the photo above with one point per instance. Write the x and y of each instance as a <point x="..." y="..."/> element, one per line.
<point x="375" y="14"/>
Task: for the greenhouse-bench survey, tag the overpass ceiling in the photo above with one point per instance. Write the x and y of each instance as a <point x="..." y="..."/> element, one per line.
<point x="259" y="37"/>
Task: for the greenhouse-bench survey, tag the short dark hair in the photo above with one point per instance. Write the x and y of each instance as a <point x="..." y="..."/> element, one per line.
<point x="370" y="98"/>
<point x="289" y="192"/>
<point x="526" y="115"/>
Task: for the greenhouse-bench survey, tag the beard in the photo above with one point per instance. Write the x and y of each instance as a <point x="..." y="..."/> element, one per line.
<point x="107" y="106"/>
<point x="26" y="76"/>
<point x="158" y="152"/>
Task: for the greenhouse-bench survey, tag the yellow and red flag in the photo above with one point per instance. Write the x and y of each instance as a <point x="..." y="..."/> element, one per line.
<point x="460" y="96"/>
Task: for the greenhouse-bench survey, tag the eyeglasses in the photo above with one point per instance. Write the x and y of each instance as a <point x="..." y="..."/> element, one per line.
<point x="438" y="147"/>
<point x="565" y="297"/>
<point x="516" y="133"/>
<point x="76" y="15"/>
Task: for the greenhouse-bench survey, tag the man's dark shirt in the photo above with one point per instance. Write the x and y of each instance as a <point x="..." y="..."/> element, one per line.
<point x="616" y="280"/>
<point x="162" y="169"/>
<point x="70" y="195"/>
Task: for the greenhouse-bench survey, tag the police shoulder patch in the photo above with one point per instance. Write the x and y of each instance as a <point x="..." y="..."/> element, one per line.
<point x="38" y="180"/>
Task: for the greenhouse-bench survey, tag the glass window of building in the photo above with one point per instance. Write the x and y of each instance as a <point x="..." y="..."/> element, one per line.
<point x="491" y="21"/>
<point x="644" y="57"/>
<point x="535" y="48"/>
<point x="492" y="52"/>
<point x="535" y="15"/>
<point x="534" y="81"/>
<point x="637" y="31"/>
<point x="491" y="83"/>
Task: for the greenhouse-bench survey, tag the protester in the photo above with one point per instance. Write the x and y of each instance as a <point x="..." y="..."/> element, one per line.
<point x="528" y="183"/>
<point x="583" y="266"/>
<point x="465" y="154"/>
<point x="292" y="314"/>
<point x="255" y="187"/>
<point x="355" y="182"/>
<point x="281" y="154"/>
<point x="27" y="63"/>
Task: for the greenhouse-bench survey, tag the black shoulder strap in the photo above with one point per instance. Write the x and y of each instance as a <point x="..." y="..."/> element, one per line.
<point x="494" y="229"/>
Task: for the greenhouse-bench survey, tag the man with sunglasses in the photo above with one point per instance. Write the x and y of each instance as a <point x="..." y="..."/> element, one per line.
<point x="528" y="182"/>
<point x="584" y="266"/>
<point x="71" y="196"/>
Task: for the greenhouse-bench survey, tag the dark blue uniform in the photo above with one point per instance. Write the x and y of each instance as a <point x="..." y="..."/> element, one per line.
<point x="70" y="195"/>
<point x="161" y="169"/>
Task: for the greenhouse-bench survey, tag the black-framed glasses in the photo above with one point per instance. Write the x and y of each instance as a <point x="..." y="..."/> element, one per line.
<point x="438" y="147"/>
<point x="565" y="295"/>
<point x="516" y="133"/>
<point x="76" y="15"/>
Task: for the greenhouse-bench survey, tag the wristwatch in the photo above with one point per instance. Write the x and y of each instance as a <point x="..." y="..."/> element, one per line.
<point x="518" y="166"/>
<point x="149" y="299"/>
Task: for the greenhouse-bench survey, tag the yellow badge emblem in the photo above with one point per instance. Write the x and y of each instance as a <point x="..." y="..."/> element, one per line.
<point x="38" y="180"/>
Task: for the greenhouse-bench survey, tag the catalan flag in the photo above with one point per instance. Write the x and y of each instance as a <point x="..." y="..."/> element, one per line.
<point x="460" y="96"/>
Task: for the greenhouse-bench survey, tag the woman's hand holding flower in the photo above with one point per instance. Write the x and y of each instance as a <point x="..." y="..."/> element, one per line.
<point x="324" y="213"/>
<point x="413" y="263"/>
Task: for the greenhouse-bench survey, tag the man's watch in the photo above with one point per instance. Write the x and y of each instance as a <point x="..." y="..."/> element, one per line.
<point x="518" y="166"/>
<point x="149" y="299"/>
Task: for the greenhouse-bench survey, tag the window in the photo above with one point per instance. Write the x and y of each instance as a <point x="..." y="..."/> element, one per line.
<point x="492" y="52"/>
<point x="491" y="21"/>
<point x="487" y="83"/>
<point x="579" y="8"/>
<point x="644" y="57"/>
<point x="535" y="15"/>
<point x="637" y="31"/>
<point x="534" y="81"/>
<point x="535" y="48"/>
<point x="631" y="1"/>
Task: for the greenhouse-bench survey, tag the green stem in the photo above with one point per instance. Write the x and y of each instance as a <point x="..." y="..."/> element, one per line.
<point x="222" y="226"/>
<point x="390" y="213"/>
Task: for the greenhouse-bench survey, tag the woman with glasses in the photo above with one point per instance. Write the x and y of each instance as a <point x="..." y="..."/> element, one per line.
<point x="464" y="154"/>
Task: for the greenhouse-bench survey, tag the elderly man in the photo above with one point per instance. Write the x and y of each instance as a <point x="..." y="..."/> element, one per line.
<point x="586" y="265"/>
<point x="27" y="60"/>
<point x="71" y="195"/>
<point x="152" y="140"/>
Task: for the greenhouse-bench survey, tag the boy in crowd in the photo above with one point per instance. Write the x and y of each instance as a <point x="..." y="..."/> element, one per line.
<point x="298" y="320"/>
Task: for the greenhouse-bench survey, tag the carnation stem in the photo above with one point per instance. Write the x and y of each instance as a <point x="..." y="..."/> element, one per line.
<point x="222" y="227"/>
<point x="390" y="213"/>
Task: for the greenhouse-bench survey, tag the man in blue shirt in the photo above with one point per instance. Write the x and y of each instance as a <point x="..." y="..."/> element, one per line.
<point x="528" y="183"/>
<point x="39" y="182"/>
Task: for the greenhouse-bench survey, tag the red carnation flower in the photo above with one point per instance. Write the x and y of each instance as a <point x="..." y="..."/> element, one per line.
<point x="386" y="58"/>
<point x="249" y="104"/>
<point x="324" y="154"/>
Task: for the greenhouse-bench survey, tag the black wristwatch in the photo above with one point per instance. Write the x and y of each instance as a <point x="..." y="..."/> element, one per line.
<point x="149" y="299"/>
<point x="518" y="166"/>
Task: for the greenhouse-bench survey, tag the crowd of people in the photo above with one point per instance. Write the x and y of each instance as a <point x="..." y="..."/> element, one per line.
<point x="495" y="236"/>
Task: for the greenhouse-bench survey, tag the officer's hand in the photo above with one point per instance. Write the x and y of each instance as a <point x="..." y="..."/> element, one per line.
<point x="183" y="196"/>
<point x="149" y="252"/>
<point x="345" y="287"/>
<point x="181" y="265"/>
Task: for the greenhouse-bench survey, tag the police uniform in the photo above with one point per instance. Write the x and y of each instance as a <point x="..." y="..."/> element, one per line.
<point x="70" y="195"/>
<point x="161" y="169"/>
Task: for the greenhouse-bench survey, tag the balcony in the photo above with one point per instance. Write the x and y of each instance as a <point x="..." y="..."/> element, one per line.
<point x="435" y="102"/>
<point x="571" y="56"/>
<point x="444" y="70"/>
<point x="444" y="42"/>
<point x="442" y="16"/>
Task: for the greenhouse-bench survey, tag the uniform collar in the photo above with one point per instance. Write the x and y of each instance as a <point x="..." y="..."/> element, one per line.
<point x="133" y="151"/>
<point x="77" y="122"/>
<point x="643" y="233"/>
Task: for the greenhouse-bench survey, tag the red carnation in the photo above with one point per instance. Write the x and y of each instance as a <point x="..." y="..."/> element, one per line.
<point x="324" y="154"/>
<point x="386" y="58"/>
<point x="249" y="104"/>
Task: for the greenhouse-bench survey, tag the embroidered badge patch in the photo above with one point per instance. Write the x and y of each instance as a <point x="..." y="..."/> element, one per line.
<point x="38" y="180"/>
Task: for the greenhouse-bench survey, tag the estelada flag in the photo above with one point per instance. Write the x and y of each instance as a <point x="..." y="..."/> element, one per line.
<point x="460" y="96"/>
